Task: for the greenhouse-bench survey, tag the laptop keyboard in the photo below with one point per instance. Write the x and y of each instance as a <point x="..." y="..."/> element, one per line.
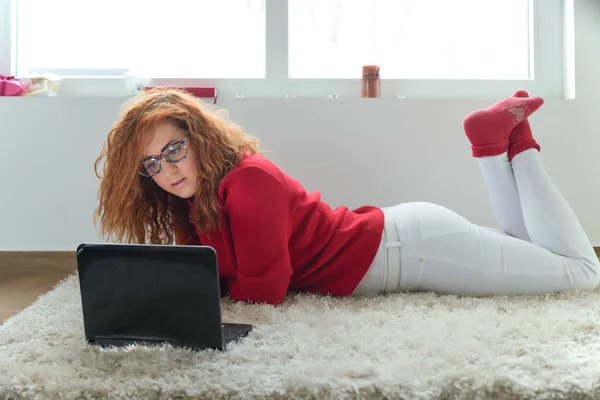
<point x="230" y="332"/>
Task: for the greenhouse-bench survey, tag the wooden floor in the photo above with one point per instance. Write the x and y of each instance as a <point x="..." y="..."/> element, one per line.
<point x="24" y="276"/>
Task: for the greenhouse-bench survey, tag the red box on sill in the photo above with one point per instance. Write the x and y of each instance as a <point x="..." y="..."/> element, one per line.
<point x="198" y="91"/>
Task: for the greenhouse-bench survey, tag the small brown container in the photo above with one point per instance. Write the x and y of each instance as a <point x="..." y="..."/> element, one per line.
<point x="371" y="83"/>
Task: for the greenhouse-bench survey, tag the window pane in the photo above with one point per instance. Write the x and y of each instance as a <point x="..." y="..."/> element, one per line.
<point x="161" y="39"/>
<point x="410" y="39"/>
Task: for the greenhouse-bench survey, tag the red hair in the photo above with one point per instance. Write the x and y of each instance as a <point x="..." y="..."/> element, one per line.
<point x="135" y="209"/>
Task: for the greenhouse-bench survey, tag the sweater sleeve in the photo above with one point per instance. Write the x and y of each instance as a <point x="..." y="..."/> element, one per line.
<point x="259" y="212"/>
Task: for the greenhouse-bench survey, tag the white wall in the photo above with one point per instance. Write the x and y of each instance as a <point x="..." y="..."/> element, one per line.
<point x="354" y="152"/>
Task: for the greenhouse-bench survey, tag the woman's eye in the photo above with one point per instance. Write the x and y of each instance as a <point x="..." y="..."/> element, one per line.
<point x="151" y="166"/>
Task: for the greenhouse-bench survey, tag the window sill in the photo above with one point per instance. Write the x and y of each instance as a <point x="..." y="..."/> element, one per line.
<point x="120" y="87"/>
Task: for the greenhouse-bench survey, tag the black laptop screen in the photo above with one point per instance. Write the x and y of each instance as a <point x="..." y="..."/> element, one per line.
<point x="152" y="293"/>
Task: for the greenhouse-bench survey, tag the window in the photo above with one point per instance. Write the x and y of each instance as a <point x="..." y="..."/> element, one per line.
<point x="172" y="39"/>
<point x="294" y="48"/>
<point x="411" y="39"/>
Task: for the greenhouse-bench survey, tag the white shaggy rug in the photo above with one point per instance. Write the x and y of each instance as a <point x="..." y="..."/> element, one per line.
<point x="410" y="346"/>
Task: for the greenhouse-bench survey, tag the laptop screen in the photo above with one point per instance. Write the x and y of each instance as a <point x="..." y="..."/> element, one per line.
<point x="143" y="292"/>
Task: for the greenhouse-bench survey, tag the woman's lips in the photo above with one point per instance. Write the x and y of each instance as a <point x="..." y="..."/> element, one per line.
<point x="178" y="184"/>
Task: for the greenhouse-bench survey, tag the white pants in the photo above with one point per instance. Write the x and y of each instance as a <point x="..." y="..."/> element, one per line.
<point x="542" y="247"/>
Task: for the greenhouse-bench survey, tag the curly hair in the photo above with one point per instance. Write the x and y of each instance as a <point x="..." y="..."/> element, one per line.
<point x="135" y="209"/>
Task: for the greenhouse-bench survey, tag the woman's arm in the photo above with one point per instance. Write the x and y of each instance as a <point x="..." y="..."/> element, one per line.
<point x="260" y="217"/>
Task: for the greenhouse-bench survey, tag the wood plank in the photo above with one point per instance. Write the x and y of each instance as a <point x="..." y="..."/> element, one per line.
<point x="18" y="292"/>
<point x="18" y="262"/>
<point x="4" y="315"/>
<point x="26" y="275"/>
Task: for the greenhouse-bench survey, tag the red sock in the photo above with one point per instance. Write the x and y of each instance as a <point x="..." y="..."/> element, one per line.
<point x="489" y="129"/>
<point x="521" y="138"/>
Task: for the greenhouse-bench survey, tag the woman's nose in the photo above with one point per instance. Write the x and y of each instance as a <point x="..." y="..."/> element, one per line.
<point x="168" y="168"/>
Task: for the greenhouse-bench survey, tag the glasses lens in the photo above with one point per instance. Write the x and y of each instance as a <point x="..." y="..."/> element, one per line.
<point x="150" y="167"/>
<point x="176" y="153"/>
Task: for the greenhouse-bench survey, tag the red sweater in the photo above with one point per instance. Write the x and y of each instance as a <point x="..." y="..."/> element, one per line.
<point x="275" y="237"/>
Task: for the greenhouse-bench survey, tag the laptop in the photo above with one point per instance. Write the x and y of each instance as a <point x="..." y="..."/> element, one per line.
<point x="152" y="295"/>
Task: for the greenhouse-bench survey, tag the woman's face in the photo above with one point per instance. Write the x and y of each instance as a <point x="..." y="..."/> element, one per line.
<point x="177" y="178"/>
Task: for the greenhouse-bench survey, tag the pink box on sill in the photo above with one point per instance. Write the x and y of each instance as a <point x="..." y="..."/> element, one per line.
<point x="9" y="86"/>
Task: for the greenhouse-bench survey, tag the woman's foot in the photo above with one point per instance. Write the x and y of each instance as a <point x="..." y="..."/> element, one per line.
<point x="521" y="138"/>
<point x="489" y="129"/>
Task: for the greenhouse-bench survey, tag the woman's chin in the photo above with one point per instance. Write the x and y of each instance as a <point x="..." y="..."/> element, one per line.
<point x="184" y="194"/>
<point x="184" y="191"/>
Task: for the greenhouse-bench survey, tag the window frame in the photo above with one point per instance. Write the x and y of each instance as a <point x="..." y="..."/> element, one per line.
<point x="552" y="66"/>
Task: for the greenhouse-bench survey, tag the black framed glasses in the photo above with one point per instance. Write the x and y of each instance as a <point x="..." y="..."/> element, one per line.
<point x="172" y="153"/>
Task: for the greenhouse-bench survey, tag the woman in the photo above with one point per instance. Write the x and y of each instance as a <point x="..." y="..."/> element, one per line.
<point x="175" y="171"/>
